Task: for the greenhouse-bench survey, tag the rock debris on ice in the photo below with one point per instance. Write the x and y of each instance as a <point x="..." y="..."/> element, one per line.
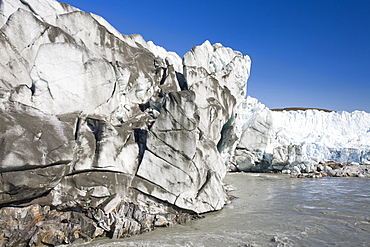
<point x="105" y="134"/>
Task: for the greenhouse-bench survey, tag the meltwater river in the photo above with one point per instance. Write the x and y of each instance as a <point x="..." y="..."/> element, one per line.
<point x="274" y="210"/>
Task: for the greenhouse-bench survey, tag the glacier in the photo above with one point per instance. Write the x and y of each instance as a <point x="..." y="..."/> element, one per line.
<point x="106" y="134"/>
<point x="286" y="139"/>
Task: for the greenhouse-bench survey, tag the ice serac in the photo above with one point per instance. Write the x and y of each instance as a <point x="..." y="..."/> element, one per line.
<point x="105" y="134"/>
<point x="295" y="141"/>
<point x="218" y="75"/>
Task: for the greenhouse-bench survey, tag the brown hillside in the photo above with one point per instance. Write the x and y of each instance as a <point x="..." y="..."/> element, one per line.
<point x="299" y="109"/>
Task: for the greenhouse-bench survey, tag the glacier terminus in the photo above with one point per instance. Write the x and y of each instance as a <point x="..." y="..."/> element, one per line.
<point x="106" y="134"/>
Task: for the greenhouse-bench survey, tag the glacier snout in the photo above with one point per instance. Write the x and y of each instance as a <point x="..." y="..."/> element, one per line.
<point x="296" y="140"/>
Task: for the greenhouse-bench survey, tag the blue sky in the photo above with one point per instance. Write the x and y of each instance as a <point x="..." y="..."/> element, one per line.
<point x="307" y="53"/>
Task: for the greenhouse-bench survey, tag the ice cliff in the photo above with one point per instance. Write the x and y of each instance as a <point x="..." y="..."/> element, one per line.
<point x="294" y="141"/>
<point x="105" y="134"/>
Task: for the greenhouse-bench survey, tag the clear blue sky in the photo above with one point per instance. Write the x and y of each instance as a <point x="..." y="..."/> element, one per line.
<point x="308" y="53"/>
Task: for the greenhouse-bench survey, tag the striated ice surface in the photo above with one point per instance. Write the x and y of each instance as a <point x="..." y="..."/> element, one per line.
<point x="95" y="121"/>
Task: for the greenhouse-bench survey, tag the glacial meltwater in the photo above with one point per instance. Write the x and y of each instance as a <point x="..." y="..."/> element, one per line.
<point x="274" y="210"/>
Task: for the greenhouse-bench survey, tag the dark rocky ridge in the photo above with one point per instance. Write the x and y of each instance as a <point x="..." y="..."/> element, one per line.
<point x="299" y="109"/>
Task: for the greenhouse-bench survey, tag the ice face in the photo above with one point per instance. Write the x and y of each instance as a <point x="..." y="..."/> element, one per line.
<point x="337" y="136"/>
